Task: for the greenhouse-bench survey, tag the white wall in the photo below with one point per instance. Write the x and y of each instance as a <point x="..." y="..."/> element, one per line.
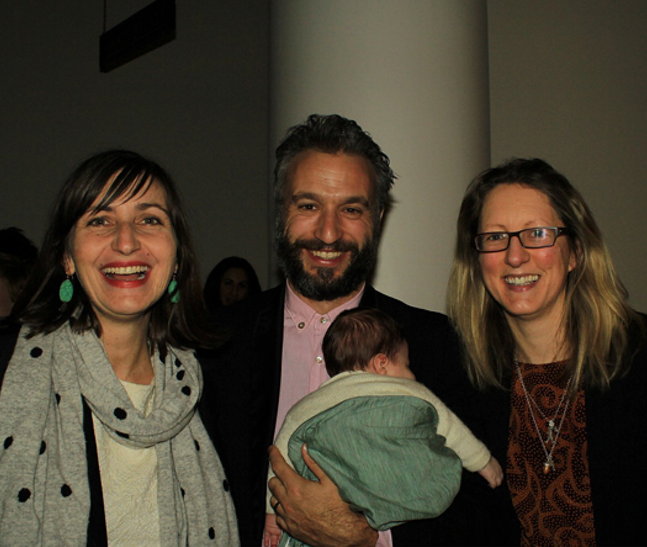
<point x="414" y="75"/>
<point x="568" y="83"/>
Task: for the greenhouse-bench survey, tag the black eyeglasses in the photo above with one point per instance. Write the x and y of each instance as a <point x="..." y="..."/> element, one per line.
<point x="530" y="238"/>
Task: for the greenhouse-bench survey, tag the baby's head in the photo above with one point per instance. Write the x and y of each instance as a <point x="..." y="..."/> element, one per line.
<point x="369" y="340"/>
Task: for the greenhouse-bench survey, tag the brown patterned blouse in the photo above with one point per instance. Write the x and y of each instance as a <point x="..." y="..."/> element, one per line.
<point x="554" y="508"/>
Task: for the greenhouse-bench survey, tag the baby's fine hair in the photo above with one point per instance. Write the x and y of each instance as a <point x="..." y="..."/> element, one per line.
<point x="356" y="336"/>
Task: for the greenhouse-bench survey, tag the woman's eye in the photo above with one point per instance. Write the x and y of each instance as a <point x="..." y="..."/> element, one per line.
<point x="539" y="233"/>
<point x="100" y="221"/>
<point x="496" y="236"/>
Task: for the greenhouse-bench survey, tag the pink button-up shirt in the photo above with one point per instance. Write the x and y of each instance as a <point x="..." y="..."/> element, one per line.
<point x="303" y="368"/>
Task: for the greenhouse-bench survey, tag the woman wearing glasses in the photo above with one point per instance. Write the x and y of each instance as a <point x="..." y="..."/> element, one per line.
<point x="560" y="358"/>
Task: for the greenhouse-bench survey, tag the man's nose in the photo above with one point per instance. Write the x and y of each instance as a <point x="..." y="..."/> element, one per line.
<point x="328" y="228"/>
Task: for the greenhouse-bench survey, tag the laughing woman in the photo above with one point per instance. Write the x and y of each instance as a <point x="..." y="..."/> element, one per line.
<point x="550" y="338"/>
<point x="101" y="440"/>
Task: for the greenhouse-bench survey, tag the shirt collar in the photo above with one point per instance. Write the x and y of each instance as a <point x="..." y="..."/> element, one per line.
<point x="303" y="315"/>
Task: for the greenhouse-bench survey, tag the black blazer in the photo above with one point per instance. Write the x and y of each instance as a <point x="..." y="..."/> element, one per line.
<point x="240" y="403"/>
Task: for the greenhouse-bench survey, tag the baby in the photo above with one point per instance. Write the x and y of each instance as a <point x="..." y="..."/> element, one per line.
<point x="389" y="444"/>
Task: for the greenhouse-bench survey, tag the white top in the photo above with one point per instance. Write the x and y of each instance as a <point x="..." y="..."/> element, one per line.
<point x="129" y="481"/>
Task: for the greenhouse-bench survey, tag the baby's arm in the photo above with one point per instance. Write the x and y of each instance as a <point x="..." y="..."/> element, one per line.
<point x="472" y="452"/>
<point x="272" y="533"/>
<point x="492" y="473"/>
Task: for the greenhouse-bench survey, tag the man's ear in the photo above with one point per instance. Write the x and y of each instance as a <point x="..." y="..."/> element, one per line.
<point x="378" y="364"/>
<point x="68" y="264"/>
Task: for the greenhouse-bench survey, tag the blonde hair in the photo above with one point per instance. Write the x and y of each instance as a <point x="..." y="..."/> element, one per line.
<point x="597" y="316"/>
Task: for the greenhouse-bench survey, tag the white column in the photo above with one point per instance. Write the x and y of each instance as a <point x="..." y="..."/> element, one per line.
<point x="413" y="73"/>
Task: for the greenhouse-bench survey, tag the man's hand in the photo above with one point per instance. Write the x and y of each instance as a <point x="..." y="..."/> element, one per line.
<point x="312" y="511"/>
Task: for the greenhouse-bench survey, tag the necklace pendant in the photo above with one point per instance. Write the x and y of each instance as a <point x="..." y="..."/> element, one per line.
<point x="549" y="465"/>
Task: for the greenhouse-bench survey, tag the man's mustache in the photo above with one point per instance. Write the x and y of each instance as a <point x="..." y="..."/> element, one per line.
<point x="318" y="245"/>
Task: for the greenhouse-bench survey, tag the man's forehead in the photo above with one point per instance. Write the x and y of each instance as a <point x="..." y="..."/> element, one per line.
<point x="338" y="169"/>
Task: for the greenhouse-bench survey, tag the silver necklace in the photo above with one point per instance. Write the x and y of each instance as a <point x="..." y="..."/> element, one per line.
<point x="553" y="429"/>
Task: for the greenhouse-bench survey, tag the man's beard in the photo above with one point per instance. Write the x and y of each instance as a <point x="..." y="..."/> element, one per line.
<point x="324" y="285"/>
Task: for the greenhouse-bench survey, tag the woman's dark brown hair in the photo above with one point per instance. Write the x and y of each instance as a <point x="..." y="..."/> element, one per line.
<point x="123" y="174"/>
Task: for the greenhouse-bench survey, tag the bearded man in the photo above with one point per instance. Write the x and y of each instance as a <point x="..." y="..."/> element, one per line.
<point x="332" y="184"/>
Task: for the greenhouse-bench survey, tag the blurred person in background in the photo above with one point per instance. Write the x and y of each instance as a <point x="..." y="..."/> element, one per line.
<point x="231" y="280"/>
<point x="17" y="257"/>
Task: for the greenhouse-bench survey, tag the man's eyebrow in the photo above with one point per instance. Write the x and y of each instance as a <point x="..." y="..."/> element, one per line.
<point x="357" y="199"/>
<point x="305" y="195"/>
<point x="314" y="197"/>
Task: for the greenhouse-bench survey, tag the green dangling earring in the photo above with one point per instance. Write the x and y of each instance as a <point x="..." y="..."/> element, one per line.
<point x="172" y="290"/>
<point x="66" y="290"/>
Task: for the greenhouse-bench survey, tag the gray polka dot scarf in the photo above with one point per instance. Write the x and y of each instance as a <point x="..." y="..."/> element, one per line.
<point x="44" y="488"/>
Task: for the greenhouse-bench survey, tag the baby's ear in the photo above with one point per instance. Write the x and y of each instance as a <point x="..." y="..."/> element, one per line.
<point x="379" y="364"/>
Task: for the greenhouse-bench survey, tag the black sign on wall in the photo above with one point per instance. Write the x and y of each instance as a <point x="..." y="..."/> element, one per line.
<point x="148" y="29"/>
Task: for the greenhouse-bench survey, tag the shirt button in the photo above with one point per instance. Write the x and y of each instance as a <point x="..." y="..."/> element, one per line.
<point x="301" y="325"/>
<point x="324" y="320"/>
<point x="319" y="359"/>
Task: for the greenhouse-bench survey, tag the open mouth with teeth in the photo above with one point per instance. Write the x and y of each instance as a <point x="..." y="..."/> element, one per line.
<point x="126" y="273"/>
<point x="521" y="281"/>
<point x="327" y="255"/>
